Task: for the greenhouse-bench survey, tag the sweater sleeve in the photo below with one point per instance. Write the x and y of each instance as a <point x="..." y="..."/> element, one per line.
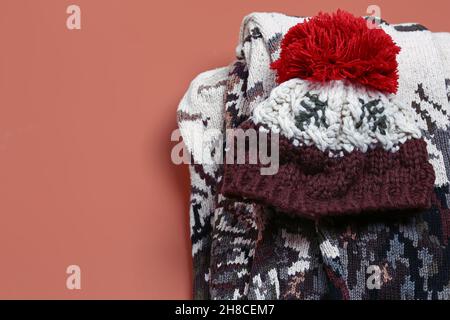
<point x="200" y="120"/>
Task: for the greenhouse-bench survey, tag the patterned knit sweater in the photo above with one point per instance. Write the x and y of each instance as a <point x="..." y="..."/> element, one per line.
<point x="244" y="250"/>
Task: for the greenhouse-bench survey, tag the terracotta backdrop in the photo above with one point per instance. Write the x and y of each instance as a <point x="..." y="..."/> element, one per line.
<point x="85" y="122"/>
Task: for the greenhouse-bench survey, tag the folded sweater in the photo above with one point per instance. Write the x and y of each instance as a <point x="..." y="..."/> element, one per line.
<point x="245" y="250"/>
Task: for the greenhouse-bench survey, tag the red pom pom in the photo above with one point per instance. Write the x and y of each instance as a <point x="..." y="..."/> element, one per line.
<point x="336" y="47"/>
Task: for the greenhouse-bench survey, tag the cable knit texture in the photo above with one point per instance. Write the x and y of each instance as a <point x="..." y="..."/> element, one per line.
<point x="347" y="147"/>
<point x="337" y="116"/>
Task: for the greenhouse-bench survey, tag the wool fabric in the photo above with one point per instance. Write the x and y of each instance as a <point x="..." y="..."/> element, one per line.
<point x="244" y="250"/>
<point x="339" y="46"/>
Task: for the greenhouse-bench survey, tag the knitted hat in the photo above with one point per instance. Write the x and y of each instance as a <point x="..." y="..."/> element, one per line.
<point x="346" y="145"/>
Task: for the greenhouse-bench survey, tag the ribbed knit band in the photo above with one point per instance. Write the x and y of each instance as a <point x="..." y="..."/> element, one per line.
<point x="311" y="184"/>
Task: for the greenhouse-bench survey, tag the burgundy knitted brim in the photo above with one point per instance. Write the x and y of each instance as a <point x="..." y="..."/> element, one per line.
<point x="309" y="183"/>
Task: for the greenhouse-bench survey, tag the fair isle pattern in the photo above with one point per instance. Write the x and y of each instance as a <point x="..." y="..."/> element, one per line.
<point x="194" y="120"/>
<point x="336" y="117"/>
<point x="421" y="86"/>
<point x="412" y="253"/>
<point x="235" y="225"/>
<point x="409" y="252"/>
<point x="287" y="262"/>
<point x="232" y="249"/>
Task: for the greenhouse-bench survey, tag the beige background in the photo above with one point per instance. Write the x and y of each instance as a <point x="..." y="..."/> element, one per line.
<point x="85" y="123"/>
